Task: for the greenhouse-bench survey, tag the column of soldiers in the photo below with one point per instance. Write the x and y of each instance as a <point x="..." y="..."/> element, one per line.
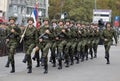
<point x="67" y="41"/>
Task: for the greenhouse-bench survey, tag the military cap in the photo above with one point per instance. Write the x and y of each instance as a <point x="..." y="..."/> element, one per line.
<point x="87" y="23"/>
<point x="61" y="20"/>
<point x="12" y="18"/>
<point x="54" y="21"/>
<point x="83" y="23"/>
<point x="30" y="19"/>
<point x="72" y="22"/>
<point x="78" y="22"/>
<point x="45" y="19"/>
<point x="67" y="20"/>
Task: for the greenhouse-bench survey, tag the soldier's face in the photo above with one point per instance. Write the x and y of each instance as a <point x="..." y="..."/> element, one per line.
<point x="45" y="22"/>
<point x="30" y="22"/>
<point x="78" y="25"/>
<point x="67" y="23"/>
<point x="60" y="23"/>
<point x="12" y="21"/>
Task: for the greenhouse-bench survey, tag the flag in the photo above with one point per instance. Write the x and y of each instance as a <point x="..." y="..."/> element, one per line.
<point x="35" y="15"/>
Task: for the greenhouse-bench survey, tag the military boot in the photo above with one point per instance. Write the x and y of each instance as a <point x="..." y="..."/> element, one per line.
<point x="29" y="69"/>
<point x="67" y="63"/>
<point x="54" y="62"/>
<point x="77" y="58"/>
<point x="60" y="64"/>
<point x="82" y="58"/>
<point x="25" y="59"/>
<point x="108" y="62"/>
<point x="72" y="60"/>
<point x="46" y="69"/>
<point x="38" y="63"/>
<point x="13" y="68"/>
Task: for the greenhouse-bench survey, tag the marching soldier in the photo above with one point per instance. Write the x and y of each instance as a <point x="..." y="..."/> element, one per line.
<point x="30" y="39"/>
<point x="54" y="44"/>
<point x="2" y="39"/>
<point x="61" y="37"/>
<point x="96" y="39"/>
<point x="45" y="42"/>
<point x="69" y="43"/>
<point x="13" y="33"/>
<point x="36" y="55"/>
<point x="107" y="35"/>
<point x="73" y="41"/>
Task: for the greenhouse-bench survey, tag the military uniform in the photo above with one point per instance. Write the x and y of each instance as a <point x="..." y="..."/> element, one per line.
<point x="107" y="36"/>
<point x="30" y="40"/>
<point x="13" y="39"/>
<point x="96" y="40"/>
<point x="45" y="44"/>
<point x="2" y="41"/>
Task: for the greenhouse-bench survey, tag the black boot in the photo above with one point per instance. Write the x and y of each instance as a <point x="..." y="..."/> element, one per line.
<point x="72" y="61"/>
<point x="54" y="63"/>
<point x="13" y="68"/>
<point x="82" y="58"/>
<point x="7" y="64"/>
<point x="67" y="63"/>
<point x="108" y="62"/>
<point x="46" y="69"/>
<point x="25" y="59"/>
<point x="91" y="56"/>
<point x="38" y="63"/>
<point x="29" y="69"/>
<point x="95" y="55"/>
<point x="60" y="64"/>
<point x="77" y="58"/>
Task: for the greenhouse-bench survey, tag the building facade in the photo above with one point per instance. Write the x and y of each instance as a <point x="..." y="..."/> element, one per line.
<point x="22" y="9"/>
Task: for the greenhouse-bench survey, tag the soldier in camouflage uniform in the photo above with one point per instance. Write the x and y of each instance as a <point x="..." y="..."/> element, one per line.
<point x="107" y="35"/>
<point x="2" y="39"/>
<point x="61" y="37"/>
<point x="69" y="42"/>
<point x="37" y="56"/>
<point x="12" y="39"/>
<point x="91" y="38"/>
<point x="30" y="39"/>
<point x="45" y="42"/>
<point x="54" y="42"/>
<point x="79" y="41"/>
<point x="96" y="39"/>
<point x="73" y="41"/>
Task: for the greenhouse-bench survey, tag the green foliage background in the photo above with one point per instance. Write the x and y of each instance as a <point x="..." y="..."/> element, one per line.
<point x="81" y="9"/>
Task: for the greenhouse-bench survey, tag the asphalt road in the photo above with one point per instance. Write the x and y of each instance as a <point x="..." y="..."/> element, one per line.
<point x="91" y="70"/>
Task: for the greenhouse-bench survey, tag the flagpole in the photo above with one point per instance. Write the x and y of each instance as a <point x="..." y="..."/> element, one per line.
<point x="37" y="13"/>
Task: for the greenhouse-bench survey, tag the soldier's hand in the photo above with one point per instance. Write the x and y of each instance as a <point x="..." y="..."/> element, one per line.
<point x="63" y="30"/>
<point x="40" y="40"/>
<point x="47" y="31"/>
<point x="57" y="38"/>
<point x="12" y="30"/>
<point x="105" y="40"/>
<point x="7" y="40"/>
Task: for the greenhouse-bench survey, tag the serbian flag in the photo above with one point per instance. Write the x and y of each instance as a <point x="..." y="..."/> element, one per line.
<point x="35" y="15"/>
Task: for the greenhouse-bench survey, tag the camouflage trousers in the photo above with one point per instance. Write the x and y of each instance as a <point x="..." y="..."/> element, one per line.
<point x="11" y="47"/>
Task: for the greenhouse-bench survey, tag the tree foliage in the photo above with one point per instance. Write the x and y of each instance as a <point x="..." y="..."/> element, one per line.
<point x="81" y="9"/>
